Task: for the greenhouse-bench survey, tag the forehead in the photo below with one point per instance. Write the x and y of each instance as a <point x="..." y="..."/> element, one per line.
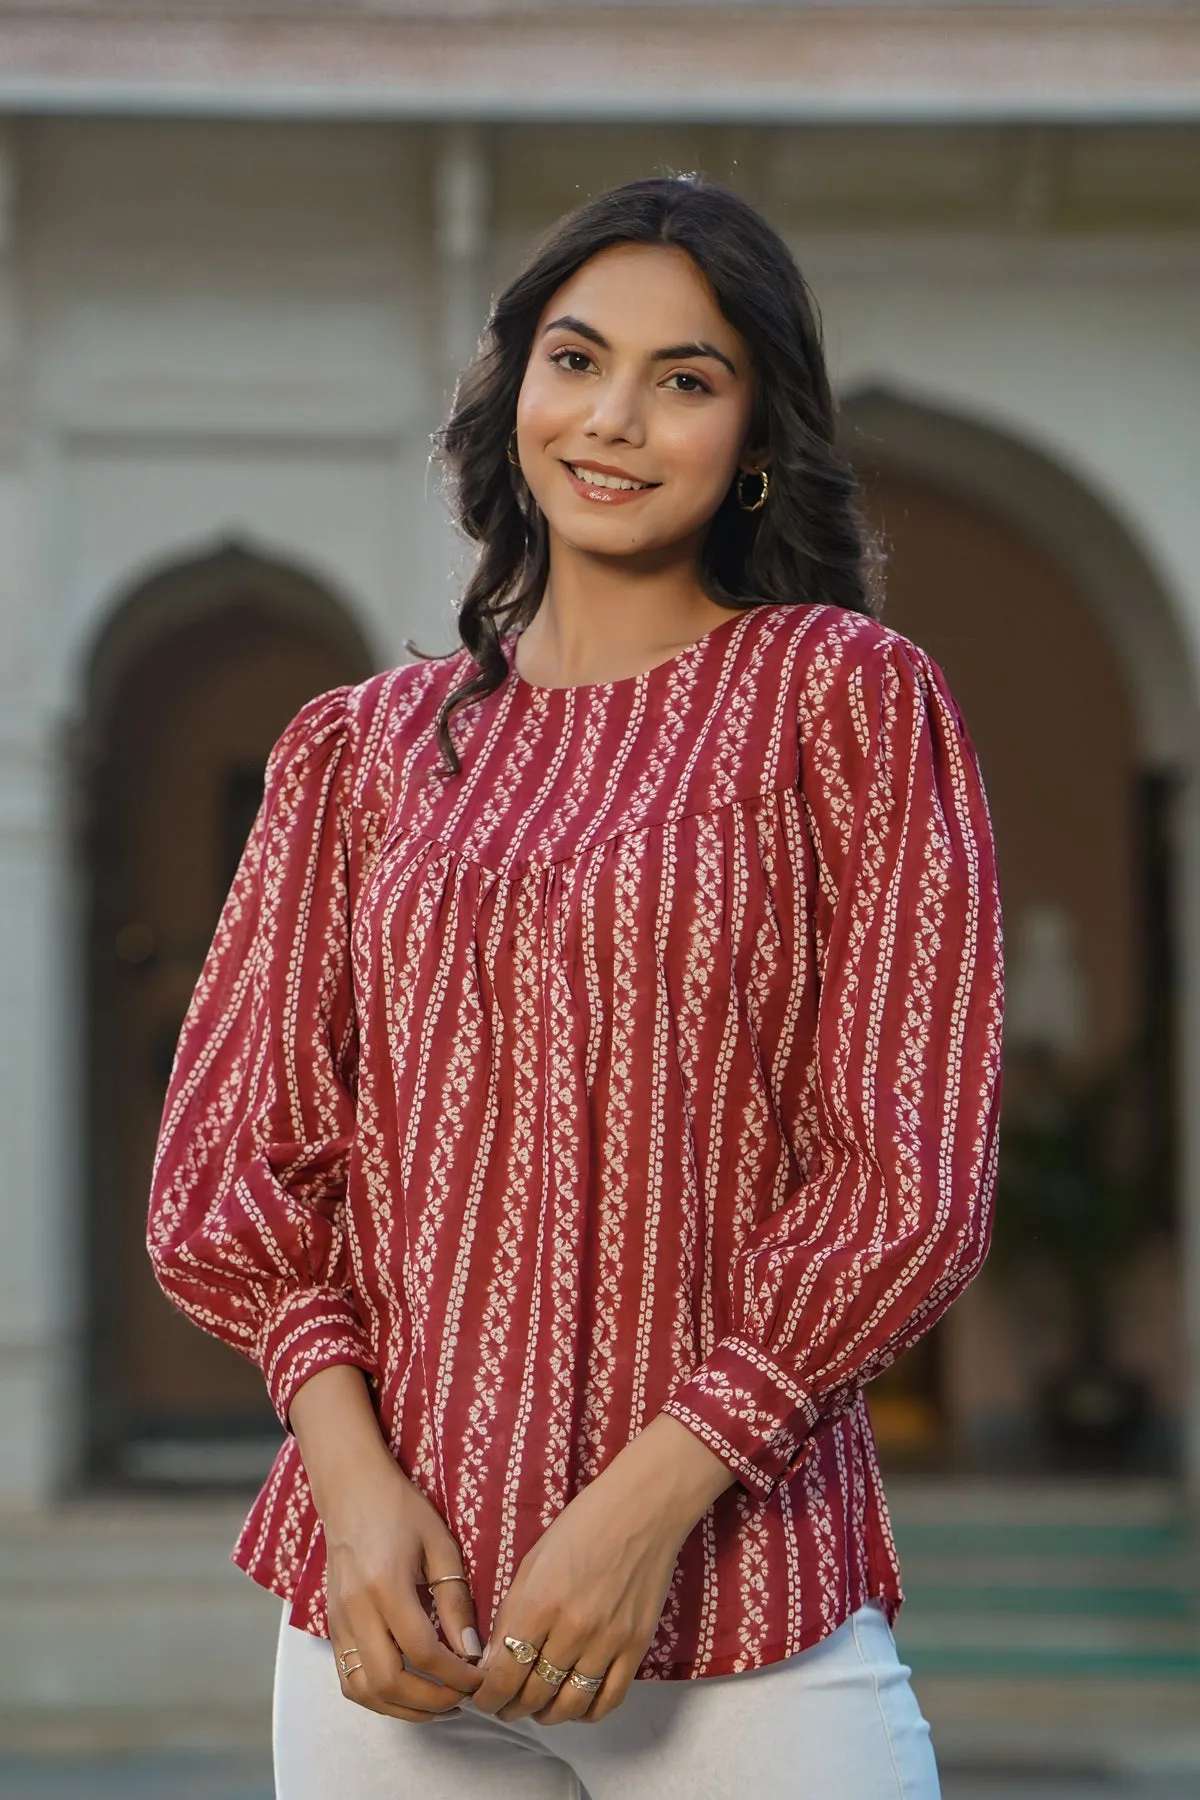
<point x="644" y="292"/>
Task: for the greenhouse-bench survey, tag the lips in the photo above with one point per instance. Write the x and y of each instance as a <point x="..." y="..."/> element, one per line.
<point x="604" y="485"/>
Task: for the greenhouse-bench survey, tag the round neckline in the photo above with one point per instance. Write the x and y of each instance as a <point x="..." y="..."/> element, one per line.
<point x="626" y="681"/>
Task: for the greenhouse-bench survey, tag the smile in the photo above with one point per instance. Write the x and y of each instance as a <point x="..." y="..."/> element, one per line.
<point x="605" y="485"/>
<point x="594" y="478"/>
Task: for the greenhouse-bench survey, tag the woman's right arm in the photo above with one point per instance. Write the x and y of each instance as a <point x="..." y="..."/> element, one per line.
<point x="247" y="1229"/>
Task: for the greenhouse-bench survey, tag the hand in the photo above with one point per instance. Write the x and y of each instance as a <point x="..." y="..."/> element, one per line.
<point x="590" y="1593"/>
<point x="383" y="1541"/>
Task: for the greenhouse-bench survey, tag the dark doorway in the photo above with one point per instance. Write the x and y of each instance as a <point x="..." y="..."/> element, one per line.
<point x="190" y="690"/>
<point x="1082" y="840"/>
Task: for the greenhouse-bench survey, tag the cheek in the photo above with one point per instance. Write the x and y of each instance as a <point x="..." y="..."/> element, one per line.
<point x="542" y="406"/>
<point x="703" y="453"/>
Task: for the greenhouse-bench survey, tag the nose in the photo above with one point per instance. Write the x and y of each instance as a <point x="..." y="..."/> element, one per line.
<point x="617" y="415"/>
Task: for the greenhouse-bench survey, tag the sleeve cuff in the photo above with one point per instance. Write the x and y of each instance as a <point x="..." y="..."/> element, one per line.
<point x="308" y="1330"/>
<point x="748" y="1411"/>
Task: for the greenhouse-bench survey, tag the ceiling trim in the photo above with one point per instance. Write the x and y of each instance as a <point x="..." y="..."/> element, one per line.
<point x="663" y="61"/>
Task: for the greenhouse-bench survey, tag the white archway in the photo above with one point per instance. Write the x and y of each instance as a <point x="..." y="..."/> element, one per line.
<point x="1043" y="501"/>
<point x="1052" y="507"/>
<point x="238" y="640"/>
<point x="186" y="586"/>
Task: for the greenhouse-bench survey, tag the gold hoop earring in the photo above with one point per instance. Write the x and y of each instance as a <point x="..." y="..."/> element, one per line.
<point x="764" y="486"/>
<point x="510" y="448"/>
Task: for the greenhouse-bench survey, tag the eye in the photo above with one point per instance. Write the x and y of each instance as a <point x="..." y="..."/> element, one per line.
<point x="689" y="383"/>
<point x="575" y="362"/>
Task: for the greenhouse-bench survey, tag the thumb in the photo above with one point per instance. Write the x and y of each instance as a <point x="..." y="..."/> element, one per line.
<point x="456" y="1614"/>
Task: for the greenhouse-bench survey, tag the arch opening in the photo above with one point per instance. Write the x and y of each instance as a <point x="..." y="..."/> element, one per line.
<point x="192" y="680"/>
<point x="1074" y="676"/>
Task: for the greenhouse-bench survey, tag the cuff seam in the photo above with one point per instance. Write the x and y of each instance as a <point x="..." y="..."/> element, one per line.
<point x="747" y="1472"/>
<point x="308" y="1329"/>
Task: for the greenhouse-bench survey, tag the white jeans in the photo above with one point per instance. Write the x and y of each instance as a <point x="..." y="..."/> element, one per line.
<point x="836" y="1722"/>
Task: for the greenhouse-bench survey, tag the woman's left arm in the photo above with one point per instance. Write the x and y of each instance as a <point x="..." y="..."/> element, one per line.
<point x="866" y="1255"/>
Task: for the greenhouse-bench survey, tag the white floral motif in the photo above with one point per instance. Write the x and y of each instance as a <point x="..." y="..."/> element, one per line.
<point x="648" y="1064"/>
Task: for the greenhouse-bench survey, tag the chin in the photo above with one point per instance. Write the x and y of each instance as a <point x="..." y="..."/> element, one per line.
<point x="615" y="535"/>
<point x="601" y="538"/>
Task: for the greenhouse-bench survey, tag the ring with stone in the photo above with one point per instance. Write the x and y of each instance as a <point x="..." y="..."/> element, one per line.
<point x="524" y="1651"/>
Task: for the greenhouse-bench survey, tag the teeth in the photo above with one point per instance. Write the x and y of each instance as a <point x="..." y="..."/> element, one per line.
<point x="593" y="478"/>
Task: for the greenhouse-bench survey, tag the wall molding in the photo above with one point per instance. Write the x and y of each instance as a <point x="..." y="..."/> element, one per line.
<point x="470" y="58"/>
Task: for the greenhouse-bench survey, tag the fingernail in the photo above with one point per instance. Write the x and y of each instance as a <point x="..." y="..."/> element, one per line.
<point x="487" y="1651"/>
<point x="470" y="1641"/>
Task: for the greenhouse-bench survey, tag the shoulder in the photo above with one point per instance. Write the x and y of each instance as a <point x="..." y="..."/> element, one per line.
<point x="832" y="639"/>
<point x="401" y="700"/>
<point x="353" y="723"/>
<point x="839" y="661"/>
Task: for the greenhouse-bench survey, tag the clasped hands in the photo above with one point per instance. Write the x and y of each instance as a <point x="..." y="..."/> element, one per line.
<point x="587" y="1598"/>
<point x="590" y="1592"/>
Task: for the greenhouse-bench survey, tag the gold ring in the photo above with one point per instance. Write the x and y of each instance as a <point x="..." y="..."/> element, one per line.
<point x="588" y="1684"/>
<point x="437" y="1578"/>
<point x="347" y="1667"/>
<point x="547" y="1672"/>
<point x="523" y="1651"/>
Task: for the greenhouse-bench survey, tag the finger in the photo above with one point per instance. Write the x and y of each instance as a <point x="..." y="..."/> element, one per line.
<point x="571" y="1702"/>
<point x="412" y="1628"/>
<point x="503" y="1675"/>
<point x="617" y="1680"/>
<point x="382" y="1683"/>
<point x="456" y="1612"/>
<point x="540" y="1688"/>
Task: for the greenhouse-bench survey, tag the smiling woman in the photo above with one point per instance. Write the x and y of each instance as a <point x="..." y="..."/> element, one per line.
<point x="663" y="336"/>
<point x="679" y="418"/>
<point x="592" y="1083"/>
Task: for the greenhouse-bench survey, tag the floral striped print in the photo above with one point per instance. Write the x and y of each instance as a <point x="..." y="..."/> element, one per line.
<point x="650" y="1064"/>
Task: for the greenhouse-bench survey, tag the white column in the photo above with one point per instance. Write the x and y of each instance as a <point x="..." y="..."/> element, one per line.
<point x="1188" y="937"/>
<point x="38" y="1265"/>
<point x="40" y="1260"/>
<point x="462" y="181"/>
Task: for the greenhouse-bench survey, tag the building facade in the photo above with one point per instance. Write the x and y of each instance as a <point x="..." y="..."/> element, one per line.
<point x="243" y="254"/>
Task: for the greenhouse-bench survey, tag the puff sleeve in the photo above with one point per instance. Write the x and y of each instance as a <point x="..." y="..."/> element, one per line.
<point x="246" y="1228"/>
<point x="894" y="1219"/>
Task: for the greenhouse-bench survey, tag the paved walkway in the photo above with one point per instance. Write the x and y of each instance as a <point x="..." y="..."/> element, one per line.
<point x="135" y="1778"/>
<point x="218" y="1778"/>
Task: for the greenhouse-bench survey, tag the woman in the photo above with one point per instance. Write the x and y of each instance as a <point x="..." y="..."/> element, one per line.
<point x="593" y="1082"/>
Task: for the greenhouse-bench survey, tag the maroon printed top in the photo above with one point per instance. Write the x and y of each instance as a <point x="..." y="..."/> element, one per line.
<point x="649" y="1065"/>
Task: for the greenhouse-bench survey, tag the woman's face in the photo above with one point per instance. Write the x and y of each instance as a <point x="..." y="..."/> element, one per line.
<point x="634" y="411"/>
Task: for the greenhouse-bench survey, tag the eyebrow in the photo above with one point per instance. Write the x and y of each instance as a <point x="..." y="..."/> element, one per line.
<point x="670" y="353"/>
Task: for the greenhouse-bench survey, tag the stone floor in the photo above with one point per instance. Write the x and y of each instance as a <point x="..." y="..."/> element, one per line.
<point x="135" y="1778"/>
<point x="222" y="1778"/>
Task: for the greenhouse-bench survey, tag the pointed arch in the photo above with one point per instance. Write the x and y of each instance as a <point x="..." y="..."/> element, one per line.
<point x="1054" y="508"/>
<point x="194" y="672"/>
<point x="192" y="587"/>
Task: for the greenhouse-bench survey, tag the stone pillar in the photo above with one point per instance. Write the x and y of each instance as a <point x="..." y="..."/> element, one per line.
<point x="462" y="240"/>
<point x="461" y="184"/>
<point x="38" y="1262"/>
<point x="1188" y="938"/>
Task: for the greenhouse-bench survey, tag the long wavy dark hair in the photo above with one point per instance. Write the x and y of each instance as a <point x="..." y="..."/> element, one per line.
<point x="808" y="543"/>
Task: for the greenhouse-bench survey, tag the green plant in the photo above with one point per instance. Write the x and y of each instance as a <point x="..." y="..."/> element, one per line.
<point x="1074" y="1188"/>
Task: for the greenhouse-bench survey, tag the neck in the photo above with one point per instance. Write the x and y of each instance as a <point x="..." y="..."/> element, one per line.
<point x="602" y="619"/>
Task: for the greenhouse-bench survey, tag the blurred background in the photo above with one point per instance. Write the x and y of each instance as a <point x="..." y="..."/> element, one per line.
<point x="245" y="245"/>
